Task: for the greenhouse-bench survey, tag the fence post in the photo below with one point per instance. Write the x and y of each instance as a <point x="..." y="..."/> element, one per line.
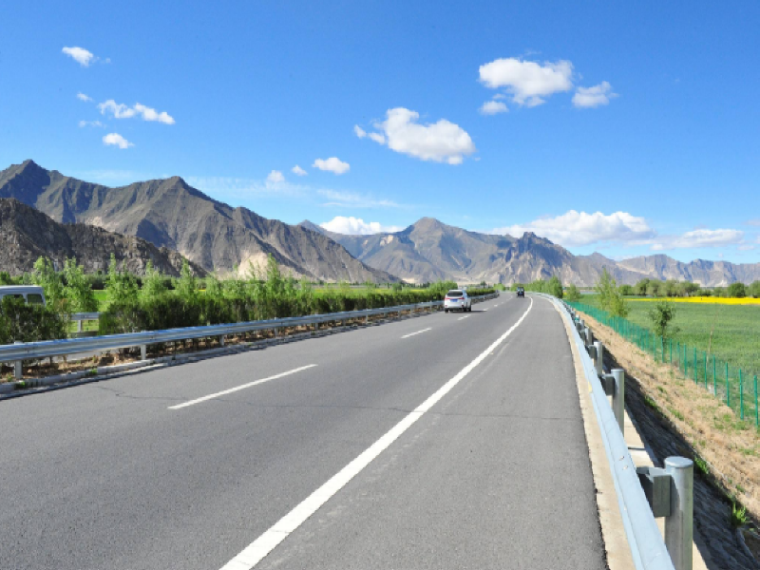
<point x="18" y="368"/>
<point x="741" y="395"/>
<point x="728" y="388"/>
<point x="589" y="337"/>
<point x="679" y="525"/>
<point x="79" y="325"/>
<point x="599" y="357"/>
<point x="695" y="364"/>
<point x="143" y="352"/>
<point x="757" y="416"/>
<point x="715" y="383"/>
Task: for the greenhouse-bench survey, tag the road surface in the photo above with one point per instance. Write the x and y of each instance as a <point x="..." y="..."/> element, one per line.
<point x="447" y="441"/>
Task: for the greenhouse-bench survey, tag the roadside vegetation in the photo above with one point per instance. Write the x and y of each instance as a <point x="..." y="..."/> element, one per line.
<point x="129" y="303"/>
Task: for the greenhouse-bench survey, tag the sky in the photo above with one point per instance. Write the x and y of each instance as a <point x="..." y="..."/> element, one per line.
<point x="624" y="128"/>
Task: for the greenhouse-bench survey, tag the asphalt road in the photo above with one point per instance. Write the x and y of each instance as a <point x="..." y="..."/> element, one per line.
<point x="446" y="441"/>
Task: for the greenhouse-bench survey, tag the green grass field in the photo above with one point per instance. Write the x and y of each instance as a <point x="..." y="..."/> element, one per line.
<point x="731" y="332"/>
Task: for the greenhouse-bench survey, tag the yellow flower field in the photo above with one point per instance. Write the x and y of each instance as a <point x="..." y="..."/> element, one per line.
<point x="703" y="300"/>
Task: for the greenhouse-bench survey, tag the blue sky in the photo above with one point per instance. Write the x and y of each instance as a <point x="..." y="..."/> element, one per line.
<point x="629" y="128"/>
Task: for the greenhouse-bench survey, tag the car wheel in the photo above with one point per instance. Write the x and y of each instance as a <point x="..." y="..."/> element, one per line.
<point x="445" y="310"/>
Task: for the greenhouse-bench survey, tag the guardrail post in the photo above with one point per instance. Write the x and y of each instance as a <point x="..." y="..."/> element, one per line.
<point x="222" y="339"/>
<point x="618" y="398"/>
<point x="143" y="352"/>
<point x="679" y="525"/>
<point x="79" y="325"/>
<point x="599" y="358"/>
<point x="18" y="369"/>
<point x="589" y="336"/>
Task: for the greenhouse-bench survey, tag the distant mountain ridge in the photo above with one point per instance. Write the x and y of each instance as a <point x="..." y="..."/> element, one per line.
<point x="430" y="250"/>
<point x="173" y="214"/>
<point x="27" y="234"/>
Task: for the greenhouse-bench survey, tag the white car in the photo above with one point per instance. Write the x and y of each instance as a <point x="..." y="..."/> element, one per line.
<point x="456" y="299"/>
<point x="31" y="294"/>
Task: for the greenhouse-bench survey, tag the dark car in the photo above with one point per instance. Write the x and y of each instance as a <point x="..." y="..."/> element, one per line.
<point x="520" y="292"/>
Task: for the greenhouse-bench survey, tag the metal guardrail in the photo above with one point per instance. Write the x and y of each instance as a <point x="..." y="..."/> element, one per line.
<point x="34" y="350"/>
<point x="648" y="549"/>
<point x="85" y="317"/>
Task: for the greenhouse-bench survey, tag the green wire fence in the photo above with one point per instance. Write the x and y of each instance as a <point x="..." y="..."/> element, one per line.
<point x="737" y="390"/>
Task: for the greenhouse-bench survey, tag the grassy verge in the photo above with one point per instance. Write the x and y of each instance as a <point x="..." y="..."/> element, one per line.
<point x="727" y="447"/>
<point x="730" y="332"/>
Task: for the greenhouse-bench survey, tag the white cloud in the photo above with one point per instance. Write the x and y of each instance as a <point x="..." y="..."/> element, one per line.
<point x="755" y="222"/>
<point x="589" y="97"/>
<point x="90" y="124"/>
<point x="359" y="132"/>
<point x="527" y="81"/>
<point x="357" y="226"/>
<point x="83" y="97"/>
<point x="275" y="177"/>
<point x="297" y="170"/>
<point x="80" y="55"/>
<point x="332" y="164"/>
<point x="580" y="228"/>
<point x="747" y="247"/>
<point x="115" y="139"/>
<point x="121" y="111"/>
<point x="699" y="238"/>
<point x="343" y="199"/>
<point x="149" y="114"/>
<point x="442" y="141"/>
<point x="493" y="108"/>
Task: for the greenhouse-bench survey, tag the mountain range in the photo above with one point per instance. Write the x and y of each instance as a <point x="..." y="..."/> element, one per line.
<point x="27" y="234"/>
<point x="430" y="250"/>
<point x="170" y="213"/>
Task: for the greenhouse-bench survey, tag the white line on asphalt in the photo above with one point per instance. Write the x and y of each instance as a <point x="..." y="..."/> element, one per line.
<point x="465" y="317"/>
<point x="243" y="387"/>
<point x="263" y="545"/>
<point x="418" y="332"/>
<point x="484" y="310"/>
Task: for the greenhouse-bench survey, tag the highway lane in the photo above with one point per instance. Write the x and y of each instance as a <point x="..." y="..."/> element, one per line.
<point x="107" y="476"/>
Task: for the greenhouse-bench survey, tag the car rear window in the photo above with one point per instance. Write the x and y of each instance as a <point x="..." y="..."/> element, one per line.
<point x="34" y="299"/>
<point x="455" y="294"/>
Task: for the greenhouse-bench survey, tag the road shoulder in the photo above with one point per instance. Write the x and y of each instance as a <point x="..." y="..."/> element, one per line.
<point x="616" y="543"/>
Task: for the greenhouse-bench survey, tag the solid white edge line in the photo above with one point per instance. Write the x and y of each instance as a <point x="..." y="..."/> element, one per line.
<point x="237" y="388"/>
<point x="264" y="544"/>
<point x="418" y="332"/>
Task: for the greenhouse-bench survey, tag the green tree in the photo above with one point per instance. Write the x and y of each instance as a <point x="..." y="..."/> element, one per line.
<point x="626" y="290"/>
<point x="49" y="279"/>
<point x="187" y="288"/>
<point x="554" y="287"/>
<point x="661" y="316"/>
<point x="154" y="284"/>
<point x="690" y="288"/>
<point x="573" y="294"/>
<point x="754" y="289"/>
<point x="120" y="285"/>
<point x="610" y="297"/>
<point x="641" y="287"/>
<point x="737" y="290"/>
<point x="78" y="291"/>
<point x="655" y="288"/>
